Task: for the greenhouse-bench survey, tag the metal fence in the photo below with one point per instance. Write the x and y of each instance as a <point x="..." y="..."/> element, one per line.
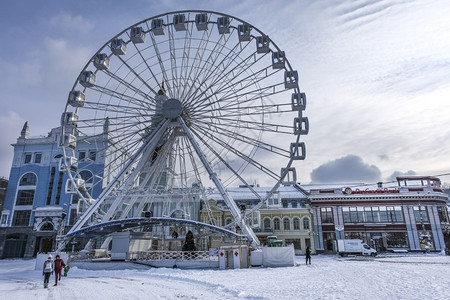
<point x="171" y="255"/>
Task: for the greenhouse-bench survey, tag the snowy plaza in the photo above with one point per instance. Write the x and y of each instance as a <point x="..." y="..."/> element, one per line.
<point x="411" y="276"/>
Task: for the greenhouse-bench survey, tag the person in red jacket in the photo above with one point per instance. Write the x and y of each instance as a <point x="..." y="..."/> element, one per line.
<point x="59" y="266"/>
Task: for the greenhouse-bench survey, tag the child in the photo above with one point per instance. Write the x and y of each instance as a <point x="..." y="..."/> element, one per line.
<point x="47" y="270"/>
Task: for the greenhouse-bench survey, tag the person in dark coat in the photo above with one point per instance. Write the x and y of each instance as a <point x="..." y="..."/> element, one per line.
<point x="59" y="266"/>
<point x="47" y="270"/>
<point x="189" y="243"/>
<point x="308" y="255"/>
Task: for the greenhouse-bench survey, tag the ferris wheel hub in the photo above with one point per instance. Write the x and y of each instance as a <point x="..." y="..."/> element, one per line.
<point x="172" y="108"/>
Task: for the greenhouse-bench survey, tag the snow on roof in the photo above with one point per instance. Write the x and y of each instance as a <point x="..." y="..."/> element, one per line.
<point x="243" y="193"/>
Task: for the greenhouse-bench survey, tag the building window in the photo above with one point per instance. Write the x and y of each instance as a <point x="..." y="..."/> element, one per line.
<point x="355" y="235"/>
<point x="284" y="203"/>
<point x="73" y="216"/>
<point x="266" y="224"/>
<point x="375" y="214"/>
<point x="27" y="158"/>
<point x="286" y="224"/>
<point x="274" y="200"/>
<point x="395" y="214"/>
<point x="21" y="218"/>
<point x="346" y="214"/>
<point x="28" y="179"/>
<point x="50" y="185"/>
<point x="368" y="216"/>
<point x="420" y="214"/>
<point x="81" y="155"/>
<point x="326" y="214"/>
<point x="296" y="223"/>
<point x="37" y="158"/>
<point x="25" y="197"/>
<point x="306" y="224"/>
<point x="92" y="155"/>
<point x="442" y="213"/>
<point x="4" y="218"/>
<point x="88" y="180"/>
<point x="276" y="224"/>
<point x="397" y="239"/>
<point x="294" y="203"/>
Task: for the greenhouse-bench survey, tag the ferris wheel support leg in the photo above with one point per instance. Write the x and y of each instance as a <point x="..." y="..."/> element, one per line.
<point x="254" y="241"/>
<point x="91" y="210"/>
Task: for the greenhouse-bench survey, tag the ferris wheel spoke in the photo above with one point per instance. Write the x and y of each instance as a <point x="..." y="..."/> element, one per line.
<point x="128" y="84"/>
<point x="161" y="64"/>
<point x="173" y="61"/>
<point x="255" y="94"/>
<point x="224" y="162"/>
<point x="248" y="83"/>
<point x="119" y="107"/>
<point x="257" y="125"/>
<point x="120" y="96"/>
<point x="245" y="138"/>
<point x="251" y="110"/>
<point x="222" y="70"/>
<point x="222" y="76"/>
<point x="186" y="68"/>
<point x="185" y="61"/>
<point x="196" y="68"/>
<point x="239" y="154"/>
<point x="206" y="71"/>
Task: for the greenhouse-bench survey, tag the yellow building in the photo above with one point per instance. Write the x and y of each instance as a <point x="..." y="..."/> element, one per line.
<point x="286" y="215"/>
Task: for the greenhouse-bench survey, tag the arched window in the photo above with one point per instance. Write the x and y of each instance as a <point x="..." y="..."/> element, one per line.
<point x="276" y="224"/>
<point x="28" y="179"/>
<point x="26" y="190"/>
<point x="306" y="224"/>
<point x="47" y="227"/>
<point x="57" y="158"/>
<point x="266" y="224"/>
<point x="286" y="224"/>
<point x="228" y="221"/>
<point x="296" y="222"/>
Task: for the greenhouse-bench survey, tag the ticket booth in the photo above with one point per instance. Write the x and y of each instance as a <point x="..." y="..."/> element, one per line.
<point x="233" y="257"/>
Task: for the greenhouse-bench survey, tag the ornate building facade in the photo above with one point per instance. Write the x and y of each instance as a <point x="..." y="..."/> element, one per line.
<point x="39" y="201"/>
<point x="286" y="215"/>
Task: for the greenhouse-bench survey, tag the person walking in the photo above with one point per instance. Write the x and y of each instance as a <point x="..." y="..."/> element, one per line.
<point x="308" y="255"/>
<point x="59" y="266"/>
<point x="47" y="270"/>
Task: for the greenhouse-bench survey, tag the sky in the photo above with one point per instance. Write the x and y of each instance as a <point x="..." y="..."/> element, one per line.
<point x="411" y="277"/>
<point x="375" y="74"/>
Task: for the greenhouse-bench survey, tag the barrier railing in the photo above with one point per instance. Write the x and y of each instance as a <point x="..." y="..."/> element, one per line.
<point x="171" y="255"/>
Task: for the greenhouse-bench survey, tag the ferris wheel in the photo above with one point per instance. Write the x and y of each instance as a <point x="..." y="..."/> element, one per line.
<point x="177" y="105"/>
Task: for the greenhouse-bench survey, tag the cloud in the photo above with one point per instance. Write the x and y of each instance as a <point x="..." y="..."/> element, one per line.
<point x="11" y="125"/>
<point x="349" y="168"/>
<point x="70" y="24"/>
<point x="394" y="175"/>
<point x="383" y="157"/>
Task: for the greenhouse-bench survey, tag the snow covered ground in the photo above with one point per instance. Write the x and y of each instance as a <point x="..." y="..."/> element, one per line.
<point x="412" y="276"/>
